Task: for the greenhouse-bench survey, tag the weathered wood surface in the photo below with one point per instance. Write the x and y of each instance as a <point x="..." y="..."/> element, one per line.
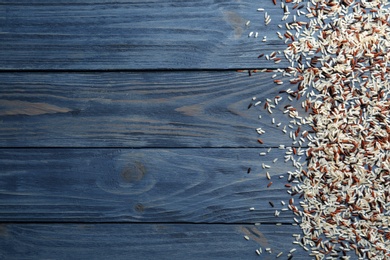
<point x="142" y="185"/>
<point x="138" y="241"/>
<point x="125" y="131"/>
<point x="149" y="109"/>
<point x="136" y="35"/>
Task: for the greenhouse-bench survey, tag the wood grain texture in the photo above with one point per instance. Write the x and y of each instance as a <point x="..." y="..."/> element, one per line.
<point x="107" y="152"/>
<point x="153" y="34"/>
<point x="142" y="185"/>
<point x="154" y="109"/>
<point x="132" y="241"/>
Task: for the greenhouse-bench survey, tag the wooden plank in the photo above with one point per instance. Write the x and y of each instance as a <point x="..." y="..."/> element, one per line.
<point x="132" y="241"/>
<point x="142" y="185"/>
<point x="101" y="35"/>
<point x="155" y="109"/>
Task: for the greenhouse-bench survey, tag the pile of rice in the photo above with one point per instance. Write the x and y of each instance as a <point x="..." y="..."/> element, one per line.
<point x="338" y="53"/>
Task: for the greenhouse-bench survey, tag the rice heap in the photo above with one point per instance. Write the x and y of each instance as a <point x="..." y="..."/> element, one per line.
<point x="339" y="55"/>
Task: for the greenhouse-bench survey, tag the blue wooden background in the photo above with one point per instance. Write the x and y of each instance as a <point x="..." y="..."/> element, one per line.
<point x="125" y="131"/>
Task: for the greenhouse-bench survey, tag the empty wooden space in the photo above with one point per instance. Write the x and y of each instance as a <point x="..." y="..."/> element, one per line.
<point x="127" y="130"/>
<point x="135" y="34"/>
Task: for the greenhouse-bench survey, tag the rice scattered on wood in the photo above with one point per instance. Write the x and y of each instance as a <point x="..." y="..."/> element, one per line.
<point x="338" y="55"/>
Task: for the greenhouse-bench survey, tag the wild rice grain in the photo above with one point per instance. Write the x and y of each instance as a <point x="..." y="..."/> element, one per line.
<point x="339" y="63"/>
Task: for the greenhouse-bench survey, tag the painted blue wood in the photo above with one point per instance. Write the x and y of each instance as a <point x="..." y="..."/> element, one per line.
<point x="148" y="109"/>
<point x="97" y="199"/>
<point x="154" y="241"/>
<point x="100" y="35"/>
<point x="142" y="185"/>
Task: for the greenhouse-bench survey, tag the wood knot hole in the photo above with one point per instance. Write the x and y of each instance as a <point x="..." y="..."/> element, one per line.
<point x="139" y="208"/>
<point x="133" y="173"/>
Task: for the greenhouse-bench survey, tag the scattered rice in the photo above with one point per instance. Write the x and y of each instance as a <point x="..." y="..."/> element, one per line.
<point x="339" y="61"/>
